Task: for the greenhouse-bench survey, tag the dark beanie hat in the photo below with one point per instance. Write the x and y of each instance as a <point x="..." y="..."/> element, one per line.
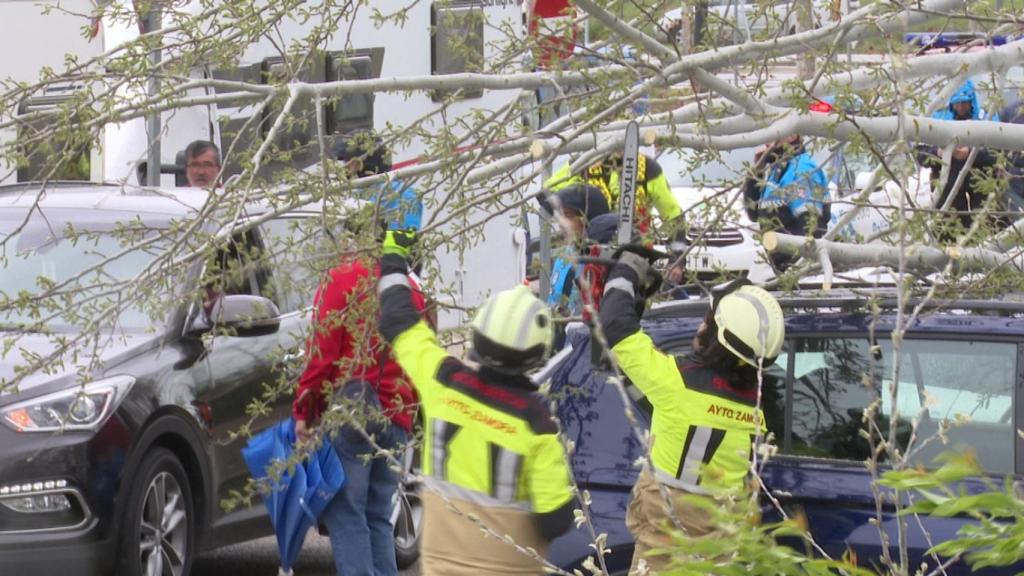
<point x="584" y="199"/>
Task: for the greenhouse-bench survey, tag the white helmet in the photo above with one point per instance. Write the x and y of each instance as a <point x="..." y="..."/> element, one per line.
<point x="749" y="323"/>
<point x="512" y="332"/>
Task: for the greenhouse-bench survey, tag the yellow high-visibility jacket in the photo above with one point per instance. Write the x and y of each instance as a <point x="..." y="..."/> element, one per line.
<point x="703" y="428"/>
<point x="489" y="442"/>
<point x="652" y="187"/>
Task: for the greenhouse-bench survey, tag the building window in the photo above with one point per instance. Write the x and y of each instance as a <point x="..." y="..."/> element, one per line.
<point x="232" y="120"/>
<point x="299" y="129"/>
<point x="457" y="43"/>
<point x="298" y="134"/>
<point x="352" y="111"/>
<point x="50" y="138"/>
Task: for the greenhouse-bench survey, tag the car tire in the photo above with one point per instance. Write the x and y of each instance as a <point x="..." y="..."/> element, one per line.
<point x="408" y="524"/>
<point x="158" y="526"/>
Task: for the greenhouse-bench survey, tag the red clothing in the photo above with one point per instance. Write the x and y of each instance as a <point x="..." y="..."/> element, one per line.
<point x="332" y="353"/>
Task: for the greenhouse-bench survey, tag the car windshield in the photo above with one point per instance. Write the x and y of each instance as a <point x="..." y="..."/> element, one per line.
<point x="695" y="169"/>
<point x="692" y="168"/>
<point x="85" y="255"/>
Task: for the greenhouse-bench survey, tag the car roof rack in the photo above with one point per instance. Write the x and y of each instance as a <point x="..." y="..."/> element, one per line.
<point x="14" y="187"/>
<point x="90" y="185"/>
<point x="1011" y="304"/>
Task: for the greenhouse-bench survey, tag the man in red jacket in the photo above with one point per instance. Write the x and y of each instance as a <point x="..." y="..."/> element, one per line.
<point x="346" y="355"/>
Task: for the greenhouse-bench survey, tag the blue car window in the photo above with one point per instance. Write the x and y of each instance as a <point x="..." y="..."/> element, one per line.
<point x="966" y="385"/>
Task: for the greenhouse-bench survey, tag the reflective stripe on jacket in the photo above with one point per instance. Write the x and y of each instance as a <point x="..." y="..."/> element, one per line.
<point x="488" y="439"/>
<point x="494" y="440"/>
<point x="703" y="428"/>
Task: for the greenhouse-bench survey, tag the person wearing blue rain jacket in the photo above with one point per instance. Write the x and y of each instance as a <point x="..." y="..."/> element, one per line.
<point x="788" y="192"/>
<point x="398" y="204"/>
<point x="963" y="105"/>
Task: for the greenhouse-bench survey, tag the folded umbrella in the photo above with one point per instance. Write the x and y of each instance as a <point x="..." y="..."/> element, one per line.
<point x="299" y="495"/>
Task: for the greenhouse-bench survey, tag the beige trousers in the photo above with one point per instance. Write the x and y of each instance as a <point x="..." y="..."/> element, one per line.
<point x="651" y="526"/>
<point x="455" y="546"/>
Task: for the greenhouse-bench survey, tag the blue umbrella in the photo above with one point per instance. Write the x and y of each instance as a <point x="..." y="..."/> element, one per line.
<point x="298" y="497"/>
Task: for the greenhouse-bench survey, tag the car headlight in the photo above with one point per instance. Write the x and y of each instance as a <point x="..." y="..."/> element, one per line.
<point x="80" y="408"/>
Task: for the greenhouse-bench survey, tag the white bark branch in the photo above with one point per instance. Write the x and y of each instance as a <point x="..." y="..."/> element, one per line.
<point x="917" y="258"/>
<point x="626" y="31"/>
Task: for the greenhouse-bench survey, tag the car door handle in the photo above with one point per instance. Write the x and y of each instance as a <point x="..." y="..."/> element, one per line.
<point x="294" y="357"/>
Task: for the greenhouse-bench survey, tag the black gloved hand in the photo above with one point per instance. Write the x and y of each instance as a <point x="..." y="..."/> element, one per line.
<point x="639" y="258"/>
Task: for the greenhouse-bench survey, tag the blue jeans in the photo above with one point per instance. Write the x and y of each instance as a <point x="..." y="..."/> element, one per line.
<point x="358" y="519"/>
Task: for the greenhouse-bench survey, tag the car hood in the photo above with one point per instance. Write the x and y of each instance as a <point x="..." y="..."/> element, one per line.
<point x="705" y="205"/>
<point x="115" y="350"/>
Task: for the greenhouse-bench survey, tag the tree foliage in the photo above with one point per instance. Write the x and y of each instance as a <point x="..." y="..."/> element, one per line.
<point x="733" y="84"/>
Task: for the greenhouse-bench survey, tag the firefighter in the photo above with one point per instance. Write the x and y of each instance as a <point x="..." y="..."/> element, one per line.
<point x="652" y="186"/>
<point x="705" y="412"/>
<point x="652" y="190"/>
<point x="490" y="446"/>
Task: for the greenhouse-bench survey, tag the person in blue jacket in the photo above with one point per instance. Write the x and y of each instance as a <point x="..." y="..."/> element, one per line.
<point x="963" y="105"/>
<point x="787" y="192"/>
<point x="580" y="204"/>
<point x="365" y="154"/>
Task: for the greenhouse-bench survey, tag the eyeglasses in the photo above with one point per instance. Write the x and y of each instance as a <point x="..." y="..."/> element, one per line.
<point x="203" y="165"/>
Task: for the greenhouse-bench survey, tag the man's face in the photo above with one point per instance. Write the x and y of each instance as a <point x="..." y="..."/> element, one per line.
<point x="203" y="169"/>
<point x="962" y="110"/>
<point x="575" y="222"/>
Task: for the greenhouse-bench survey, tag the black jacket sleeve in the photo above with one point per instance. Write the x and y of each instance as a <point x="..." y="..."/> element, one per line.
<point x="397" y="312"/>
<point x="555" y="523"/>
<point x="752" y="188"/>
<point x="928" y="156"/>
<point x="619" y="316"/>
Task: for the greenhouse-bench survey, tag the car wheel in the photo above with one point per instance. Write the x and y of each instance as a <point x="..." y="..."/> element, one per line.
<point x="408" y="524"/>
<point x="158" y="528"/>
<point x="407" y="514"/>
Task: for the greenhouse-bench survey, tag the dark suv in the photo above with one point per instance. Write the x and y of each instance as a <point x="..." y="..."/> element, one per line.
<point x="125" y="466"/>
<point x="962" y="361"/>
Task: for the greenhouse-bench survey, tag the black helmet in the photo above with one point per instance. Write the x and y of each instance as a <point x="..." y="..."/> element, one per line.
<point x="586" y="200"/>
<point x="366" y="146"/>
<point x="602" y="230"/>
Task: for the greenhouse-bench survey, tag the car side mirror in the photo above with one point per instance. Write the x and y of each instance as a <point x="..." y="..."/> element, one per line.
<point x="240" y="315"/>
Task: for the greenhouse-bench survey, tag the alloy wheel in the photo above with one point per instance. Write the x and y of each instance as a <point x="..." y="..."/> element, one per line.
<point x="409" y="519"/>
<point x="163" y="532"/>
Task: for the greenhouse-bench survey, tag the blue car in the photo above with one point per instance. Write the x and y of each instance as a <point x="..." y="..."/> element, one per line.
<point x="961" y="362"/>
